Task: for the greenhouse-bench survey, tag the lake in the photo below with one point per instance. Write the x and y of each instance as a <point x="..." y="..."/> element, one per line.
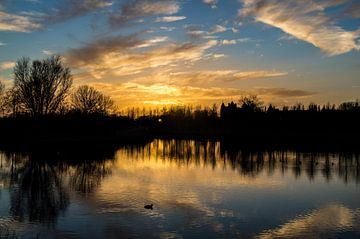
<point x="199" y="189"/>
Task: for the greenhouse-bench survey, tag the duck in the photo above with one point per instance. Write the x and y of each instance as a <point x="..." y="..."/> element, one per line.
<point x="149" y="206"/>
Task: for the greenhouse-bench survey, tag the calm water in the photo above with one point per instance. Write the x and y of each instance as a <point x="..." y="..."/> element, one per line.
<point x="199" y="190"/>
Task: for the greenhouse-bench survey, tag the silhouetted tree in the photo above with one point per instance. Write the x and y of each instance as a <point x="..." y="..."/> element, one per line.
<point x="42" y="85"/>
<point x="88" y="100"/>
<point x="313" y="107"/>
<point x="251" y="103"/>
<point x="11" y="104"/>
<point x="2" y="88"/>
<point x="350" y="106"/>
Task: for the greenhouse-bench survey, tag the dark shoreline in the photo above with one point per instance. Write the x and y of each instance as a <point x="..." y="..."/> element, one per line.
<point x="251" y="140"/>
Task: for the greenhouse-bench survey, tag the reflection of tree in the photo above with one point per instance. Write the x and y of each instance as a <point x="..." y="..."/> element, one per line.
<point x="39" y="193"/>
<point x="250" y="161"/>
<point x="38" y="180"/>
<point x="88" y="175"/>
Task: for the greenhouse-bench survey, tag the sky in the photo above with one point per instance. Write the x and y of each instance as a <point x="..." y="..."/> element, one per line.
<point x="200" y="52"/>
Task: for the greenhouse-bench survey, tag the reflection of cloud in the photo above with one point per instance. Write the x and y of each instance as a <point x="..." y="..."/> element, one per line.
<point x="323" y="221"/>
<point x="136" y="9"/>
<point x="305" y="20"/>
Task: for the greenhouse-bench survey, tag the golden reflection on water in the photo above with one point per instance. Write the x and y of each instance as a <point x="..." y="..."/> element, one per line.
<point x="318" y="223"/>
<point x="192" y="184"/>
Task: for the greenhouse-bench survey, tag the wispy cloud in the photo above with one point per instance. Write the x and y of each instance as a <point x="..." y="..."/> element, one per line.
<point x="158" y="93"/>
<point x="212" y="3"/>
<point x="140" y="94"/>
<point x="220" y="76"/>
<point x="17" y="23"/>
<point x="69" y="9"/>
<point x="169" y="29"/>
<point x="235" y="41"/>
<point x="306" y="20"/>
<point x="47" y="52"/>
<point x="118" y="56"/>
<point x="353" y="9"/>
<point x="136" y="9"/>
<point x="196" y="31"/>
<point x="170" y="18"/>
<point x="283" y="92"/>
<point x="218" y="29"/>
<point x="6" y="65"/>
<point x="33" y="1"/>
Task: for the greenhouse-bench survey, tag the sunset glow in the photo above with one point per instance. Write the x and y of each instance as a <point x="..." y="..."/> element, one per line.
<point x="147" y="53"/>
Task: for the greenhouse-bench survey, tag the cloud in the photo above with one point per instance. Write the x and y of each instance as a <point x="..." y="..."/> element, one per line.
<point x="195" y="31"/>
<point x="212" y="3"/>
<point x="169" y="29"/>
<point x="161" y="93"/>
<point x="69" y="9"/>
<point x="282" y="92"/>
<point x="47" y="52"/>
<point x="235" y="41"/>
<point x="218" y="29"/>
<point x="119" y="55"/>
<point x="17" y="23"/>
<point x="136" y="9"/>
<point x="6" y="65"/>
<point x="319" y="223"/>
<point x="220" y="76"/>
<point x="2" y="44"/>
<point x="170" y="19"/>
<point x="33" y="1"/>
<point x="306" y="20"/>
<point x="352" y="10"/>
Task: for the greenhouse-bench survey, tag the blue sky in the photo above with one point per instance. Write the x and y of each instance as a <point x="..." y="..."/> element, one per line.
<point x="157" y="52"/>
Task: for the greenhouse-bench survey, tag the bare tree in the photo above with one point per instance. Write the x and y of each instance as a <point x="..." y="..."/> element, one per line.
<point x="43" y="85"/>
<point x="2" y="88"/>
<point x="251" y="103"/>
<point x="11" y="104"/>
<point x="88" y="100"/>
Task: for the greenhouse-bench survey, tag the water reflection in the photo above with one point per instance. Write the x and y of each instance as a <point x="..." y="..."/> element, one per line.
<point x="37" y="192"/>
<point x="249" y="162"/>
<point x="318" y="223"/>
<point x="203" y="187"/>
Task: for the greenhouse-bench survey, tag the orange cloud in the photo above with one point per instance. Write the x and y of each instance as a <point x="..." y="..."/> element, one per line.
<point x="305" y="20"/>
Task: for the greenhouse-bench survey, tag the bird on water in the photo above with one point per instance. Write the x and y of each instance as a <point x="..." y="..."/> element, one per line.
<point x="149" y="206"/>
